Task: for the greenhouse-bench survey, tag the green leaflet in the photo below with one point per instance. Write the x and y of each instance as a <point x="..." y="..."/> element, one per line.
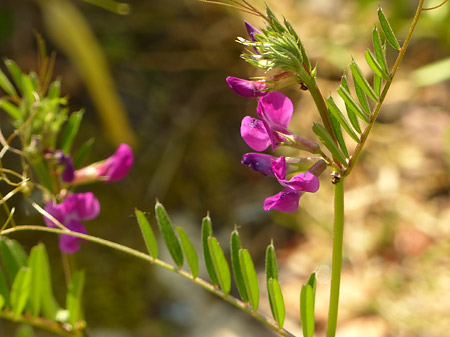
<point x="239" y="279"/>
<point x="377" y="84"/>
<point x="336" y="112"/>
<point x="28" y="89"/>
<point x="189" y="252"/>
<point x="11" y="110"/>
<point x="4" y="289"/>
<point x="271" y="274"/>
<point x="71" y="130"/>
<point x="82" y="152"/>
<point x="20" y="291"/>
<point x="15" y="72"/>
<point x="54" y="90"/>
<point x="327" y="140"/>
<point x="147" y="233"/>
<point x="277" y="301"/>
<point x="375" y="66"/>
<point x="348" y="99"/>
<point x="250" y="278"/>
<point x="169" y="236"/>
<point x="362" y="81"/>
<point x="379" y="49"/>
<point x="6" y="85"/>
<point x="388" y="32"/>
<point x="206" y="233"/>
<point x="35" y="263"/>
<point x="307" y="299"/>
<point x="350" y="111"/>
<point x="13" y="257"/>
<point x="338" y="133"/>
<point x="73" y="298"/>
<point x="220" y="265"/>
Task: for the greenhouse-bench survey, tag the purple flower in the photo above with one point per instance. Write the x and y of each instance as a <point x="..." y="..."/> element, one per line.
<point x="254" y="133"/>
<point x="247" y="88"/>
<point x="68" y="174"/>
<point x="109" y="170"/>
<point x="251" y="31"/>
<point x="285" y="201"/>
<point x="76" y="207"/>
<point x="259" y="162"/>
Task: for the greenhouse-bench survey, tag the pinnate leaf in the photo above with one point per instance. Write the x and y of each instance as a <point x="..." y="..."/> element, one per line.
<point x="362" y="81"/>
<point x="327" y="140"/>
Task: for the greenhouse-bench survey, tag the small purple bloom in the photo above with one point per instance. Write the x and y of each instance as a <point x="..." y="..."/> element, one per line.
<point x="259" y="162"/>
<point x="76" y="207"/>
<point x="247" y="88"/>
<point x="109" y="170"/>
<point x="251" y="31"/>
<point x="254" y="133"/>
<point x="68" y="174"/>
<point x="285" y="201"/>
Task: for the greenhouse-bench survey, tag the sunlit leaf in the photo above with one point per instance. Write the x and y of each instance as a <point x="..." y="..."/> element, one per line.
<point x="235" y="247"/>
<point x="338" y="133"/>
<point x="15" y="72"/>
<point x="71" y="130"/>
<point x="73" y="298"/>
<point x="189" y="251"/>
<point x="6" y="85"/>
<point x="11" y="110"/>
<point x="307" y="299"/>
<point x="379" y="49"/>
<point x="377" y="84"/>
<point x="336" y="112"/>
<point x="20" y="291"/>
<point x="147" y="234"/>
<point x="348" y="99"/>
<point x="271" y="273"/>
<point x="359" y="78"/>
<point x="327" y="140"/>
<point x="388" y="32"/>
<point x="206" y="233"/>
<point x="169" y="236"/>
<point x="362" y="97"/>
<point x="277" y="301"/>
<point x="375" y="66"/>
<point x="350" y="111"/>
<point x="220" y="265"/>
<point x="250" y="278"/>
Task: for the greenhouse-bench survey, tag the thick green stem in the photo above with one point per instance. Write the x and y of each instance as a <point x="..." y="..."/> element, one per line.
<point x="338" y="236"/>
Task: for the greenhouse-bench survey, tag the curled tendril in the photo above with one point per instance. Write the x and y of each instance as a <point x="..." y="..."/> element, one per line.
<point x="435" y="7"/>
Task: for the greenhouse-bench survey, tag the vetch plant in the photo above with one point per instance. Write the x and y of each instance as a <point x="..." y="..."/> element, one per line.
<point x="46" y="132"/>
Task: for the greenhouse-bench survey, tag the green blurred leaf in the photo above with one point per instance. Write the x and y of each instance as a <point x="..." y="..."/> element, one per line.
<point x="189" y="252"/>
<point x="169" y="236"/>
<point x="54" y="90"/>
<point x="348" y="99"/>
<point x="220" y="265"/>
<point x="307" y="303"/>
<point x="71" y="130"/>
<point x="15" y="72"/>
<point x="339" y="136"/>
<point x="6" y="85"/>
<point x="4" y="289"/>
<point x="24" y="330"/>
<point x="271" y="273"/>
<point x="276" y="299"/>
<point x="431" y="73"/>
<point x="20" y="291"/>
<point x="147" y="234"/>
<point x="362" y="81"/>
<point x="379" y="49"/>
<point x="350" y="112"/>
<point x="327" y="140"/>
<point x="82" y="152"/>
<point x="2" y="301"/>
<point x="375" y="66"/>
<point x="13" y="257"/>
<point x="206" y="233"/>
<point x="235" y="247"/>
<point x="73" y="298"/>
<point x="388" y="32"/>
<point x="11" y="110"/>
<point x="35" y="263"/>
<point x="28" y="89"/>
<point x="250" y="278"/>
<point x="336" y="112"/>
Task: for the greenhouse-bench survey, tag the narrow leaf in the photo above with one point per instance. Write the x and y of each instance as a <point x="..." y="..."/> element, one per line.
<point x="350" y="112"/>
<point x="54" y="89"/>
<point x="12" y="257"/>
<point x="362" y="82"/>
<point x="6" y="85"/>
<point x="4" y="289"/>
<point x="347" y="97"/>
<point x="189" y="251"/>
<point x="379" y="49"/>
<point x="377" y="84"/>
<point x="271" y="273"/>
<point x="276" y="298"/>
<point x="388" y="32"/>
<point x="250" y="278"/>
<point x="15" y="72"/>
<point x="220" y="265"/>
<point x="336" y="112"/>
<point x="171" y="240"/>
<point x="81" y="154"/>
<point x="375" y="66"/>
<point x="327" y="140"/>
<point x="307" y="310"/>
<point x="71" y="130"/>
<point x="206" y="233"/>
<point x="338" y="133"/>
<point x="20" y="291"/>
<point x="147" y="234"/>
<point x="73" y="298"/>
<point x="35" y="263"/>
<point x="239" y="279"/>
<point x="49" y="305"/>
<point x="362" y="97"/>
<point x="28" y="89"/>
<point x="11" y="110"/>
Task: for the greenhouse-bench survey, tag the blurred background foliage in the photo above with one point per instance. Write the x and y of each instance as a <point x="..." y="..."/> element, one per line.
<point x="153" y="73"/>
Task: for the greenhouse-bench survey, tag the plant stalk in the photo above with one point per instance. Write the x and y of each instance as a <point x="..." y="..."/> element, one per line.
<point x="336" y="266"/>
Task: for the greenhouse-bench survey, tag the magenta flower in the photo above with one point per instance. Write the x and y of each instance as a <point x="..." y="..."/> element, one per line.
<point x="259" y="162"/>
<point x="109" y="170"/>
<point x="247" y="88"/>
<point x="254" y="133"/>
<point x="76" y="207"/>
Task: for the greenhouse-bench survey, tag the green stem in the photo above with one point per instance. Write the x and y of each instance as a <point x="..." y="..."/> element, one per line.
<point x="377" y="108"/>
<point x="337" y="257"/>
<point x="130" y="251"/>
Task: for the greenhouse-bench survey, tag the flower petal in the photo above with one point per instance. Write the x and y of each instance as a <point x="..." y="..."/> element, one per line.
<point x="56" y="211"/>
<point x="275" y="108"/>
<point x="84" y="206"/>
<point x="259" y="162"/>
<point x="117" y="166"/>
<point x="251" y="31"/>
<point x="70" y="244"/>
<point x="279" y="168"/>
<point x="247" y="88"/>
<point x="285" y="201"/>
<point x="305" y="181"/>
<point x="254" y="133"/>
